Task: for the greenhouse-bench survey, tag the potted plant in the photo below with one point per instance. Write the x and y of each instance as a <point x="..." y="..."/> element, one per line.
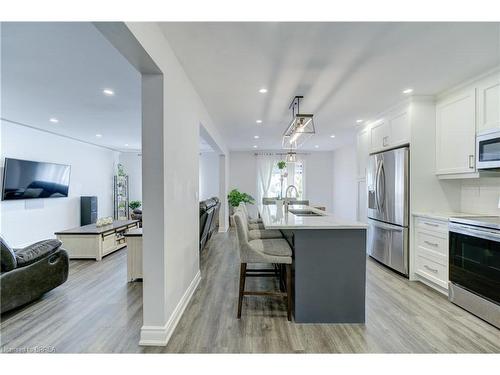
<point x="134" y="204"/>
<point x="235" y="197"/>
<point x="281" y="167"/>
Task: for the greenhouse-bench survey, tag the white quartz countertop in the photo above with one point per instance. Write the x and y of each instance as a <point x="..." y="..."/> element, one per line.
<point x="444" y="216"/>
<point x="275" y="218"/>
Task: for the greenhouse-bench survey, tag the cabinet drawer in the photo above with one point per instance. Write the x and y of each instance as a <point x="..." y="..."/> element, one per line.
<point x="432" y="225"/>
<point x="432" y="271"/>
<point x="436" y="242"/>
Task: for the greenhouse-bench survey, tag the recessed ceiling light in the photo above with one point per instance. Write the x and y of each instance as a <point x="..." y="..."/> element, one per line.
<point x="126" y="144"/>
<point x="254" y="146"/>
<point x="316" y="146"/>
<point x="332" y="136"/>
<point x="359" y="121"/>
<point x="98" y="135"/>
<point x="407" y="91"/>
<point x="256" y="137"/>
<point x="108" y="92"/>
<point x="263" y="90"/>
<point x="53" y="120"/>
<point x="259" y="121"/>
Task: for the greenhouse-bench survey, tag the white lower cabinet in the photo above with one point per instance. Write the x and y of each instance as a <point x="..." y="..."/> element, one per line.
<point x="431" y="252"/>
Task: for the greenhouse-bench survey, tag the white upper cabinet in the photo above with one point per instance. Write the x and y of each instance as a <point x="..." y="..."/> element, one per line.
<point x="380" y="135"/>
<point x="363" y="150"/>
<point x="392" y="130"/>
<point x="455" y="134"/>
<point x="488" y="103"/>
<point x="400" y="127"/>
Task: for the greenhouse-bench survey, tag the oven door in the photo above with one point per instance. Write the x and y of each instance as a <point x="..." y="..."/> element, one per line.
<point x="488" y="150"/>
<point x="475" y="260"/>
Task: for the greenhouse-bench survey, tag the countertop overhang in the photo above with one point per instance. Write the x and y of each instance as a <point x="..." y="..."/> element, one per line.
<point x="276" y="218"/>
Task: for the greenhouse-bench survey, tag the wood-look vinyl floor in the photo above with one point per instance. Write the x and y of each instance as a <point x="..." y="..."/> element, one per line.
<point x="96" y="310"/>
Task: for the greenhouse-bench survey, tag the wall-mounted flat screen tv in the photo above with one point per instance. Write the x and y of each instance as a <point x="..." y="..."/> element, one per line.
<point x="26" y="179"/>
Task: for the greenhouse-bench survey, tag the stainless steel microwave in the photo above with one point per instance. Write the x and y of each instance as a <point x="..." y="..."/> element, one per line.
<point x="488" y="149"/>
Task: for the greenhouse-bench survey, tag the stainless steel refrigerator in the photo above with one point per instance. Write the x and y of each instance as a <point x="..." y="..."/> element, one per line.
<point x="388" y="205"/>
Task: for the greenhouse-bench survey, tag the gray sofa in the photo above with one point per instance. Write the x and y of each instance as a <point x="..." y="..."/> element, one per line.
<point x="137" y="215"/>
<point x="28" y="273"/>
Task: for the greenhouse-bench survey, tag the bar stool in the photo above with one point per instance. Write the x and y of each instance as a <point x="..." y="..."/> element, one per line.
<point x="252" y="223"/>
<point x="258" y="233"/>
<point x="271" y="251"/>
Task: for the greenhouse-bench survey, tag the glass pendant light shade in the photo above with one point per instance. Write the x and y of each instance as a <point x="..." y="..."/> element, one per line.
<point x="291" y="157"/>
<point x="300" y="128"/>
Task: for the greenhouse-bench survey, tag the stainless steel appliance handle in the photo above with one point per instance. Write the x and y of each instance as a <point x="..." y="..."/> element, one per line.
<point x="484" y="233"/>
<point x="377" y="187"/>
<point x="381" y="182"/>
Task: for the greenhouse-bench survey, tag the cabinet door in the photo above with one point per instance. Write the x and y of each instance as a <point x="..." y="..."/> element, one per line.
<point x="380" y="137"/>
<point x="455" y="134"/>
<point x="363" y="151"/>
<point x="400" y="128"/>
<point x="488" y="104"/>
<point x="361" y="211"/>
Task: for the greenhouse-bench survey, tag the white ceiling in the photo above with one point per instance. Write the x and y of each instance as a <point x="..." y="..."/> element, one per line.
<point x="346" y="71"/>
<point x="59" y="70"/>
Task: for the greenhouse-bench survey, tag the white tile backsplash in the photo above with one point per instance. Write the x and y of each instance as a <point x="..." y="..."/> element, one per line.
<point x="480" y="196"/>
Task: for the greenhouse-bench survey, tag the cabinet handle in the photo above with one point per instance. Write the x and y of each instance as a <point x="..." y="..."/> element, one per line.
<point x="384" y="141"/>
<point x="471" y="161"/>
<point x="431" y="224"/>
<point x="431" y="269"/>
<point x="431" y="243"/>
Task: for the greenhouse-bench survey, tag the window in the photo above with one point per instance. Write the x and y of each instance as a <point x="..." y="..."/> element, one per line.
<point x="293" y="174"/>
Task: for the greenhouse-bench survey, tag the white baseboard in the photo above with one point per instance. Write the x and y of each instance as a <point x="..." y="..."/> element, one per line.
<point x="160" y="335"/>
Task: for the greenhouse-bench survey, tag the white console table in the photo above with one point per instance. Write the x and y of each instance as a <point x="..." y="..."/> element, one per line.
<point x="91" y="242"/>
<point x="134" y="254"/>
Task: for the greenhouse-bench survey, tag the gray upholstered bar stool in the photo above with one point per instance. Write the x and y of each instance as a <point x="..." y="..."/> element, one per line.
<point x="271" y="251"/>
<point x="252" y="223"/>
<point x="256" y="233"/>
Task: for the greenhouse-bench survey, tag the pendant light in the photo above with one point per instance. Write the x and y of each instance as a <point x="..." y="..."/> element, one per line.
<point x="300" y="128"/>
<point x="291" y="157"/>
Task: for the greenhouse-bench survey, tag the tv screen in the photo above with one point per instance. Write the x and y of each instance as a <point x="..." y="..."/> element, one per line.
<point x="26" y="179"/>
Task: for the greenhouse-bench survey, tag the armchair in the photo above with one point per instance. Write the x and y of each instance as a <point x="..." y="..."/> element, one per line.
<point x="26" y="274"/>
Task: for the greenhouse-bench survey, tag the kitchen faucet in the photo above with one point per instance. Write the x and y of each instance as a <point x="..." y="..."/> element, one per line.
<point x="287" y="200"/>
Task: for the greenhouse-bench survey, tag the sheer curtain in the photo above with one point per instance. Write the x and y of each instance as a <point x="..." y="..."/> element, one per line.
<point x="265" y="164"/>
<point x="296" y="176"/>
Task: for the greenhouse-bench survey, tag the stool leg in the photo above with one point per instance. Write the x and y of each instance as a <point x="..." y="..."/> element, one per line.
<point x="243" y="272"/>
<point x="289" y="291"/>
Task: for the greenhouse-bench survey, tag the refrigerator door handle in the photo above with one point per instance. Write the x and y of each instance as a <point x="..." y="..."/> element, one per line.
<point x="377" y="186"/>
<point x="382" y="180"/>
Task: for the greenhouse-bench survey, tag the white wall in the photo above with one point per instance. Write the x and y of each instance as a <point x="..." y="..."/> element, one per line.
<point x="171" y="269"/>
<point x="209" y="175"/>
<point x="318" y="172"/>
<point x="132" y="164"/>
<point x="481" y="196"/>
<point x="26" y="221"/>
<point x="344" y="182"/>
<point x="320" y="179"/>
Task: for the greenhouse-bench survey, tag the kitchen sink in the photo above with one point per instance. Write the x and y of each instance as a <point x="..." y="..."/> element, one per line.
<point x="303" y="212"/>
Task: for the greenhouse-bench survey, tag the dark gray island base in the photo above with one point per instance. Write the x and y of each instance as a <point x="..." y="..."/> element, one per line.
<point x="329" y="275"/>
<point x="329" y="263"/>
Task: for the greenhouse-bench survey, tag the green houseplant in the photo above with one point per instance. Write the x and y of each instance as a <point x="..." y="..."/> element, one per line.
<point x="134" y="204"/>
<point x="281" y="167"/>
<point x="235" y="197"/>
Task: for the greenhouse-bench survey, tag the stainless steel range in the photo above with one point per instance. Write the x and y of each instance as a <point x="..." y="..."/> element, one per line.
<point x="475" y="266"/>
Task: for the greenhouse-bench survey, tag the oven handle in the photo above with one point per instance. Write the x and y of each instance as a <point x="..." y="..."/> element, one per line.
<point x="484" y="233"/>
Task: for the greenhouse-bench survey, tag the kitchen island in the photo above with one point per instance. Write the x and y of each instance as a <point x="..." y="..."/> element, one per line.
<point x="329" y="263"/>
